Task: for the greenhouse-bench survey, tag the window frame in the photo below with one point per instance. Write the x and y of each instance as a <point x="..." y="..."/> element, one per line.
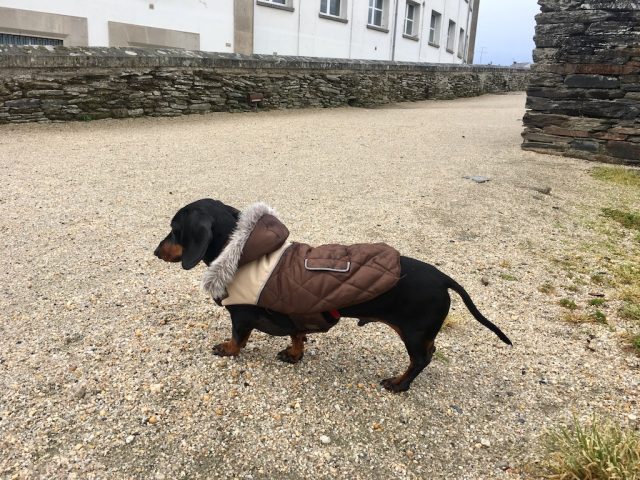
<point x="451" y="37"/>
<point x="342" y="11"/>
<point x="328" y="8"/>
<point x="30" y="40"/>
<point x="278" y="4"/>
<point x="461" y="37"/>
<point x="372" y="9"/>
<point x="435" y="30"/>
<point x="415" y="20"/>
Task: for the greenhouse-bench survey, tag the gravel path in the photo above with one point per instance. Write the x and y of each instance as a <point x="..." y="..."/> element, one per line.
<point x="105" y="362"/>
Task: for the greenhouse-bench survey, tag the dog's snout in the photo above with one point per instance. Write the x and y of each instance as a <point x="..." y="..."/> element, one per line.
<point x="156" y="252"/>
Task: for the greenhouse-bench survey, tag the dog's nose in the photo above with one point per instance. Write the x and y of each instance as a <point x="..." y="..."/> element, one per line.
<point x="156" y="252"/>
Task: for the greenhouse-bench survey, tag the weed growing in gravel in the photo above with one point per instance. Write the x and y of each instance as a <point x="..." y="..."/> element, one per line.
<point x="595" y="451"/>
<point x="595" y="316"/>
<point x="597" y="302"/>
<point x="437" y="355"/>
<point x="630" y="311"/>
<point x="619" y="175"/>
<point x="508" y="277"/>
<point x="635" y="343"/>
<point x="568" y="303"/>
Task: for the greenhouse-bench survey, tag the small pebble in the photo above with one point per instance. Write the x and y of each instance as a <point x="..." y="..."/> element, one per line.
<point x="325" y="439"/>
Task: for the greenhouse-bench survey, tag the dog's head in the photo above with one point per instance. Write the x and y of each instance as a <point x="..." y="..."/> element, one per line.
<point x="199" y="231"/>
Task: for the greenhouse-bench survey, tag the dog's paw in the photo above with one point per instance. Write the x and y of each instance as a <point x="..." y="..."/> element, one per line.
<point x="287" y="357"/>
<point x="222" y="350"/>
<point x="392" y="385"/>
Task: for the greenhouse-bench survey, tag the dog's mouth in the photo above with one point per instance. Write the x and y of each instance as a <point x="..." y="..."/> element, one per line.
<point x="168" y="251"/>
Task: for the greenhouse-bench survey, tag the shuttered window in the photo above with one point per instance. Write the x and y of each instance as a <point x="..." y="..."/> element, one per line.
<point x="11" y="39"/>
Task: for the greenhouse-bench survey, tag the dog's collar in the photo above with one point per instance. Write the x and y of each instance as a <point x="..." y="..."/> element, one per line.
<point x="221" y="271"/>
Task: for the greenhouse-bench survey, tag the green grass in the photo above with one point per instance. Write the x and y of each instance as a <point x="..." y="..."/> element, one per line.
<point x="595" y="316"/>
<point x="635" y="343"/>
<point x="597" y="302"/>
<point x="594" y="451"/>
<point x="630" y="311"/>
<point x="619" y="175"/>
<point x="598" y="316"/>
<point x="508" y="277"/>
<point x="568" y="303"/>
<point x="627" y="219"/>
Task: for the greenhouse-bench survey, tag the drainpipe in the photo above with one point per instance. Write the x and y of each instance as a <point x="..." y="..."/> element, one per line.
<point x="466" y="34"/>
<point x="351" y="32"/>
<point x="299" y="22"/>
<point x="395" y="31"/>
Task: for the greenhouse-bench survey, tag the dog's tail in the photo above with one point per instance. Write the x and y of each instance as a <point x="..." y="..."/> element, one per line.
<point x="455" y="286"/>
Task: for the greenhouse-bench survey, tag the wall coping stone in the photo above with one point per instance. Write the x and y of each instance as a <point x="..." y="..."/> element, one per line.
<point x="25" y="57"/>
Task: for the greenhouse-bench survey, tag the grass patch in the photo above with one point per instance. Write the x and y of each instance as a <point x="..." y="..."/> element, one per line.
<point x="574" y="316"/>
<point x="598" y="316"/>
<point x="630" y="311"/>
<point x="509" y="277"/>
<point x="437" y="355"/>
<point x="628" y="219"/>
<point x="597" y="302"/>
<point x="568" y="303"/>
<point x="594" y="451"/>
<point x="635" y="343"/>
<point x="599" y="279"/>
<point x="619" y="175"/>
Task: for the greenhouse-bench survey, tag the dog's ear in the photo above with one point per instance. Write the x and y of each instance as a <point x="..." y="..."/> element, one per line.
<point x="196" y="239"/>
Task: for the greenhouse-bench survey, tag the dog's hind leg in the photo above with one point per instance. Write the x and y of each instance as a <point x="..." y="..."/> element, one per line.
<point x="294" y="352"/>
<point x="420" y="352"/>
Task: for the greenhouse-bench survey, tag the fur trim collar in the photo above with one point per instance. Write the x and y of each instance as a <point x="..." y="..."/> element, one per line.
<point x="223" y="269"/>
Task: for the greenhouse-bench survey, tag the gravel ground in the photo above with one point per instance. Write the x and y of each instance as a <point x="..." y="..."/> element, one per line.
<point x="106" y="368"/>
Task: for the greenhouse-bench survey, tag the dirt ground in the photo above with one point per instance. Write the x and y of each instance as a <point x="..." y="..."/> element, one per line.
<point x="106" y="368"/>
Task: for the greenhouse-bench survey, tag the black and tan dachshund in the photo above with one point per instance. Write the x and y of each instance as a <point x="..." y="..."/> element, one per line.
<point x="415" y="307"/>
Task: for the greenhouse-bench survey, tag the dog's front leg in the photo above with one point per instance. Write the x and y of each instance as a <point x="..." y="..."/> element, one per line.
<point x="241" y="328"/>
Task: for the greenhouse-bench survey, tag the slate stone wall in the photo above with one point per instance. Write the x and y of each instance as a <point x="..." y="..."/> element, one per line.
<point x="584" y="94"/>
<point x="60" y="83"/>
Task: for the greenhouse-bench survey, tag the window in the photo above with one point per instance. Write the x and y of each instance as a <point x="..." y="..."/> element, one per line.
<point x="281" y="4"/>
<point x="461" y="43"/>
<point x="451" y="36"/>
<point x="375" y="12"/>
<point x="10" y="39"/>
<point x="434" y="30"/>
<point x="330" y="7"/>
<point x="411" y="19"/>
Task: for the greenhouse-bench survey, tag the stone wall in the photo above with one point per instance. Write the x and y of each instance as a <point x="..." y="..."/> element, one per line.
<point x="59" y="83"/>
<point x="584" y="94"/>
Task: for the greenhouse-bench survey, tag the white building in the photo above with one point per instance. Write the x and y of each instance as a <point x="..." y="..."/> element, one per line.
<point x="404" y="30"/>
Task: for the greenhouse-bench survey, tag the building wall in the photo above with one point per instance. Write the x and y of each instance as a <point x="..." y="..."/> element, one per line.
<point x="246" y="26"/>
<point x="299" y="29"/>
<point x="60" y="83"/>
<point x="584" y="95"/>
<point x="211" y="20"/>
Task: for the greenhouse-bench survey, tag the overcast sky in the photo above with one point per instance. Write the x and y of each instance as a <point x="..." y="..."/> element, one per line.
<point x="505" y="30"/>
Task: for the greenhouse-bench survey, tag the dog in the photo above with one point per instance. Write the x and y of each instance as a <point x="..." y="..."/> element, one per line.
<point x="415" y="307"/>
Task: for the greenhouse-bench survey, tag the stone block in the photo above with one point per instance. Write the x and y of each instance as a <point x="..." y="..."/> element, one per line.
<point x="573" y="16"/>
<point x="586" y="145"/>
<point x="626" y="150"/>
<point x="565" y="132"/>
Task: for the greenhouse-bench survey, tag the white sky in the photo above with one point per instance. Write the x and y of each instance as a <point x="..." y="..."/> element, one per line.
<point x="505" y="30"/>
